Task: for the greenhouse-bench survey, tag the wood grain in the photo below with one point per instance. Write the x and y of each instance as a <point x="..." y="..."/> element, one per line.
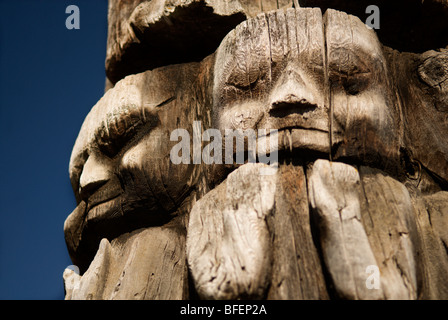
<point x="363" y="164"/>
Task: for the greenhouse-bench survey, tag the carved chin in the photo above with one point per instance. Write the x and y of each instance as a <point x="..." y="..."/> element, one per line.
<point x="87" y="225"/>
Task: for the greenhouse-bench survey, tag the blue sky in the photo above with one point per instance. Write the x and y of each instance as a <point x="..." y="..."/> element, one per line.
<point x="50" y="77"/>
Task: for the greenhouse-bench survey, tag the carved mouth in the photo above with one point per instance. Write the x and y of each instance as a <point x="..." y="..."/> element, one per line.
<point x="290" y="142"/>
<point x="295" y="138"/>
<point x="106" y="218"/>
<point x="103" y="209"/>
<point x="298" y="127"/>
<point x="100" y="203"/>
<point x="299" y="139"/>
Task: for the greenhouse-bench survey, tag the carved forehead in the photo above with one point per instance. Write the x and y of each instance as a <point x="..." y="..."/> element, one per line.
<point x="343" y="31"/>
<point x="258" y="43"/>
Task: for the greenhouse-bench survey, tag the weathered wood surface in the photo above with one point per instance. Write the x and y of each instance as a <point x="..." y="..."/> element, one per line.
<point x="228" y="245"/>
<point x="365" y="117"/>
<point x="269" y="74"/>
<point x="143" y="35"/>
<point x="433" y="257"/>
<point x="421" y="82"/>
<point x="126" y="269"/>
<point x="345" y="246"/>
<point x="297" y="271"/>
<point x="361" y="182"/>
<point x="121" y="170"/>
<point x="390" y="223"/>
<point x="393" y="229"/>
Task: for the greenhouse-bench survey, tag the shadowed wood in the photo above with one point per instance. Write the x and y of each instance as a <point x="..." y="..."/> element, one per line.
<point x="126" y="268"/>
<point x="405" y="25"/>
<point x="334" y="197"/>
<point x="297" y="271"/>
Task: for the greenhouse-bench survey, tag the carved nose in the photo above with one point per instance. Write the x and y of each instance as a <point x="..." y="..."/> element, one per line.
<point x="293" y="101"/>
<point x="95" y="174"/>
<point x="292" y="95"/>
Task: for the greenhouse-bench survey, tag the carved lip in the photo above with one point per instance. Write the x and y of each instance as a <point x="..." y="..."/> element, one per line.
<point x="305" y="129"/>
<point x="313" y="120"/>
<point x="104" y="194"/>
<point x="92" y="205"/>
<point x="304" y="138"/>
<point x="104" y="209"/>
<point x="314" y="124"/>
<point x="102" y="201"/>
<point x="299" y="138"/>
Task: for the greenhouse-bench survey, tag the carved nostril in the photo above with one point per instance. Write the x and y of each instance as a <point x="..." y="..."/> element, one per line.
<point x="294" y="93"/>
<point x="291" y="104"/>
<point x="290" y="99"/>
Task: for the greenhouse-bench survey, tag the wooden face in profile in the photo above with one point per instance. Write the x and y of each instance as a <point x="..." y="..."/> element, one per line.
<point x="321" y="81"/>
<point x="120" y="167"/>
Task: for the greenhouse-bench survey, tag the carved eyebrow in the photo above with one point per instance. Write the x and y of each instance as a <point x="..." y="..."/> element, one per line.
<point x="118" y="127"/>
<point x="122" y="124"/>
<point x="348" y="61"/>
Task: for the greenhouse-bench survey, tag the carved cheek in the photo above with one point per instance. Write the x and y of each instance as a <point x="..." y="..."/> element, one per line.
<point x="150" y="172"/>
<point x="243" y="116"/>
<point x="369" y="130"/>
<point x="141" y="162"/>
<point x="134" y="157"/>
<point x="135" y="176"/>
<point x="369" y="107"/>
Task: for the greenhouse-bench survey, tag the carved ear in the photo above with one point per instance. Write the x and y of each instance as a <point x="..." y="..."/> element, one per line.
<point x="433" y="71"/>
<point x="422" y="82"/>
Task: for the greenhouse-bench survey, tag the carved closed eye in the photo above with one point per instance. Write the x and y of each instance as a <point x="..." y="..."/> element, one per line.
<point x="117" y="130"/>
<point x="352" y="81"/>
<point x="243" y="80"/>
<point x="349" y="70"/>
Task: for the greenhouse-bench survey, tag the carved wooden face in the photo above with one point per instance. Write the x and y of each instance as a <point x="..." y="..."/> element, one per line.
<point x="300" y="73"/>
<point x="120" y="167"/>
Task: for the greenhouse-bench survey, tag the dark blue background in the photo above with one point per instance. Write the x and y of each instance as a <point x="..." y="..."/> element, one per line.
<point x="50" y="77"/>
